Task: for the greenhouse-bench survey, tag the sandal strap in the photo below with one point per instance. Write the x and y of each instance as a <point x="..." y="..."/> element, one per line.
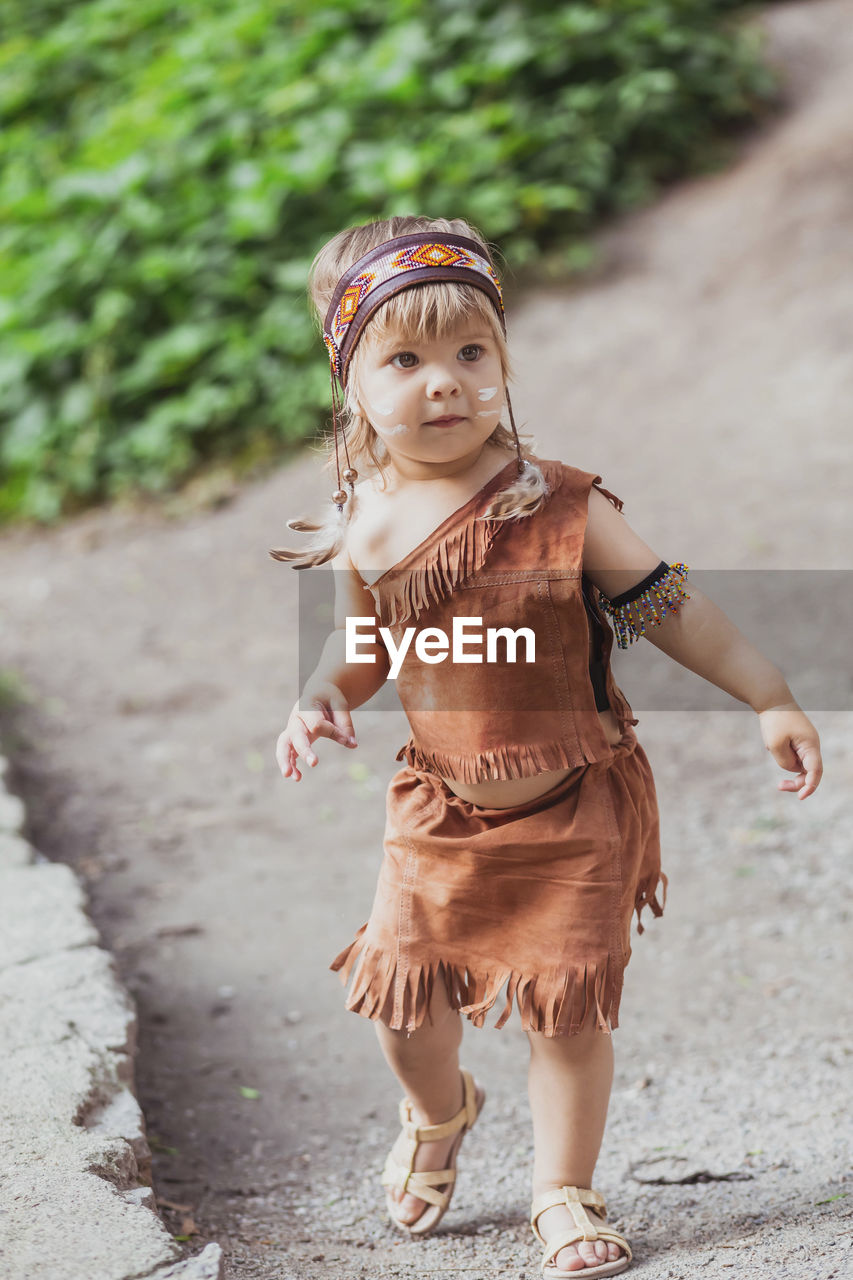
<point x="464" y="1118"/>
<point x="423" y="1185"/>
<point x="577" y="1237"/>
<point x="399" y="1168"/>
<point x="574" y="1199"/>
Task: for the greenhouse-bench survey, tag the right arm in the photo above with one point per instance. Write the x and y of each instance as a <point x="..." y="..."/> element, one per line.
<point x="335" y="687"/>
<point x="703" y="639"/>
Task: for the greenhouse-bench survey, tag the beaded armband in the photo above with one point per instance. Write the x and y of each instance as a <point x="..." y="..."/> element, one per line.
<point x="649" y="601"/>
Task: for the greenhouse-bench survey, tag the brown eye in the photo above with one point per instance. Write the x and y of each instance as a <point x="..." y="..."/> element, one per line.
<point x="405" y="360"/>
<point x="471" y="353"/>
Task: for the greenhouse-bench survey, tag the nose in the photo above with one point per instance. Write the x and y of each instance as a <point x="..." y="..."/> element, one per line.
<point x="442" y="381"/>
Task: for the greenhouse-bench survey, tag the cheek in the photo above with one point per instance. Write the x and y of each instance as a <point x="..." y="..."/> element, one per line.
<point x="491" y="394"/>
<point x="374" y="398"/>
<point x="385" y="430"/>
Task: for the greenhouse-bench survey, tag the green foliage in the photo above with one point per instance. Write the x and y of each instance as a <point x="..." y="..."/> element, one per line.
<point x="168" y="171"/>
<point x="14" y="690"/>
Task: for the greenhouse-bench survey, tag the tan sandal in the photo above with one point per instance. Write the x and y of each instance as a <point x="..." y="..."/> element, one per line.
<point x="399" y="1169"/>
<point x="577" y="1200"/>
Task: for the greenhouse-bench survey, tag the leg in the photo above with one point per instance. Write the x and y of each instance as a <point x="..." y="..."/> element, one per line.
<point x="426" y="1063"/>
<point x="569" y="1084"/>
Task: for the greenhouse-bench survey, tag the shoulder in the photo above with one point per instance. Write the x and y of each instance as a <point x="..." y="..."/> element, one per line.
<point x="367" y="523"/>
<point x="576" y="484"/>
<point x="603" y="515"/>
<point x="353" y="597"/>
<point x="615" y="557"/>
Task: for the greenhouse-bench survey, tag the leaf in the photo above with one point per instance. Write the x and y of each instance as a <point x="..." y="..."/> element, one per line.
<point x="157" y="1144"/>
<point x="172" y="1204"/>
<point x="167" y="174"/>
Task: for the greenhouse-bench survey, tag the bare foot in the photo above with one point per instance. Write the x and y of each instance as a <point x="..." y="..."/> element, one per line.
<point x="429" y="1156"/>
<point x="575" y="1258"/>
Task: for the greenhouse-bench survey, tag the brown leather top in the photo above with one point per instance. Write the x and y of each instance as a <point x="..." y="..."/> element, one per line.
<point x="501" y="719"/>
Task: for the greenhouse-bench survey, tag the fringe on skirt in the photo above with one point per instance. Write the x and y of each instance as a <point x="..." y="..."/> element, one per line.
<point x="538" y="898"/>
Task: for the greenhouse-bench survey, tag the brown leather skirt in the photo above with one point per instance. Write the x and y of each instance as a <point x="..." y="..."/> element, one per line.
<point x="539" y="896"/>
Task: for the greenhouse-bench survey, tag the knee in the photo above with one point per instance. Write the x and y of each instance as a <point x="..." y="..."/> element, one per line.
<point x="589" y="1041"/>
<point x="439" y="1036"/>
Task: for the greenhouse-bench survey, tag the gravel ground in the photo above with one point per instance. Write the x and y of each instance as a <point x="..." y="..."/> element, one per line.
<point x="728" y="1143"/>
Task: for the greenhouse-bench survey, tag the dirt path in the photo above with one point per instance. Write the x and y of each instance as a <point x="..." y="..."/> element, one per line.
<point x="161" y="658"/>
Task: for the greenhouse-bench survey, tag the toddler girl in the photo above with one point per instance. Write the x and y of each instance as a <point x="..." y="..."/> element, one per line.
<point x="522" y="829"/>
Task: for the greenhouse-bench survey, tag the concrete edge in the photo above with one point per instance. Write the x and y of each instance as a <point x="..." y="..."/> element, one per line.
<point x="75" y="1164"/>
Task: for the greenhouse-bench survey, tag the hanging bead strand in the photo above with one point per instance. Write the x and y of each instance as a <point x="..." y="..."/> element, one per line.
<point x="521" y="463"/>
<point x="664" y="596"/>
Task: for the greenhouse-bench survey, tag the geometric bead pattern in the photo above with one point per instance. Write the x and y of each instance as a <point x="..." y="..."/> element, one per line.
<point x="432" y="255"/>
<point x="396" y="263"/>
<point x="351" y="301"/>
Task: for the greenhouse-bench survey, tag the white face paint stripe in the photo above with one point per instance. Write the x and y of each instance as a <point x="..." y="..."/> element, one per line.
<point x="488" y="413"/>
<point x="385" y="407"/>
<point x="486" y="393"/>
<point x="390" y="431"/>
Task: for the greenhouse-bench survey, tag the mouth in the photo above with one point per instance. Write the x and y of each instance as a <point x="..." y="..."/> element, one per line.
<point x="449" y="420"/>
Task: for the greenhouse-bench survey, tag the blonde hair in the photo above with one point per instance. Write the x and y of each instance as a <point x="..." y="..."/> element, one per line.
<point x="430" y="311"/>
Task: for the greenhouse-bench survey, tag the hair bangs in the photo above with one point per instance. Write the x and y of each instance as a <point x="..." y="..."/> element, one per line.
<point x="431" y="311"/>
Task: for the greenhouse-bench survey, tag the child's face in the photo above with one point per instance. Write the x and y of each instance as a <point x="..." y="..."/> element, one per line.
<point x="436" y="400"/>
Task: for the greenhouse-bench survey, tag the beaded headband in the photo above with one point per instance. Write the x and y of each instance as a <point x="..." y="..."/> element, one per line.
<point x="393" y="266"/>
<point x="388" y="269"/>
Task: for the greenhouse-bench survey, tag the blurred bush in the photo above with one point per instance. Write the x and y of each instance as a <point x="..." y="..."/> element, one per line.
<point x="167" y="172"/>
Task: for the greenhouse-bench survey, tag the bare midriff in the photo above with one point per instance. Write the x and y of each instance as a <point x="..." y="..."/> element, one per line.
<point x="504" y="794"/>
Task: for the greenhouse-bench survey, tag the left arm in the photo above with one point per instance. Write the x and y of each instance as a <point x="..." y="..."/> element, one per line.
<point x="701" y="637"/>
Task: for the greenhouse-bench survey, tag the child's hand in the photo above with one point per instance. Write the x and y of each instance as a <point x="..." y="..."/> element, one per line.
<point x="792" y="738"/>
<point x="325" y="715"/>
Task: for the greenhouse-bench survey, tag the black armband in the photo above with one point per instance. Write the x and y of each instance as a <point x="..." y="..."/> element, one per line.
<point x="659" y="593"/>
